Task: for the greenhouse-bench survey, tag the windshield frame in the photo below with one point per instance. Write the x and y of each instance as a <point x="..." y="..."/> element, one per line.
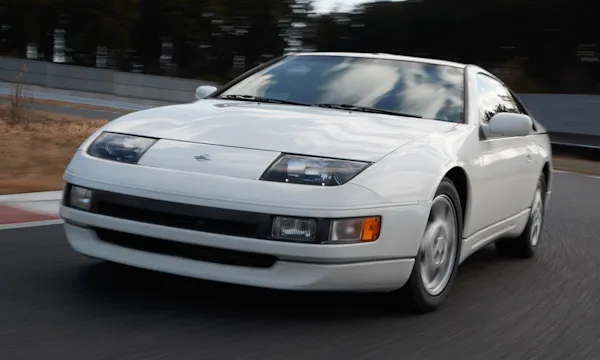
<point x="281" y="58"/>
<point x="245" y="75"/>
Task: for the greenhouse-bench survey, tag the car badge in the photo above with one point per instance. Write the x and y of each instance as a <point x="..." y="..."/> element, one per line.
<point x="203" y="157"/>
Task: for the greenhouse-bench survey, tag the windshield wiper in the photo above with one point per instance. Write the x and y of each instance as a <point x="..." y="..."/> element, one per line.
<point x="261" y="99"/>
<point x="366" y="109"/>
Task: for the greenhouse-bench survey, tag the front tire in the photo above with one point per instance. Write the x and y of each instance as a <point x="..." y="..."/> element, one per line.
<point x="526" y="244"/>
<point x="436" y="264"/>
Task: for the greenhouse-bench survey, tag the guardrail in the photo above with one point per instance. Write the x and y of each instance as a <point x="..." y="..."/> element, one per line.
<point x="579" y="146"/>
<point x="49" y="95"/>
<point x="576" y="151"/>
<point x="102" y="81"/>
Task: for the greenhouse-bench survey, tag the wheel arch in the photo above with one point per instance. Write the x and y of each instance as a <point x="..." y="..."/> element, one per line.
<point x="460" y="179"/>
<point x="547" y="175"/>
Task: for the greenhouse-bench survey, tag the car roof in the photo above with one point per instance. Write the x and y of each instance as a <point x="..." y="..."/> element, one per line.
<point x="385" y="56"/>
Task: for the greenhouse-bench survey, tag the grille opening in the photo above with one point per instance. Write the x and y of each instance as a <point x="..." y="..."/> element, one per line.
<point x="187" y="251"/>
<point x="215" y="226"/>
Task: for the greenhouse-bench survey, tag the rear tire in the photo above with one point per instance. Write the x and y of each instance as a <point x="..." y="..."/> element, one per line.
<point x="436" y="264"/>
<point x="525" y="245"/>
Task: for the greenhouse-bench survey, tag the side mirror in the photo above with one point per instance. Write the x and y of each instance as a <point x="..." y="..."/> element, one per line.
<point x="202" y="92"/>
<point x="508" y="125"/>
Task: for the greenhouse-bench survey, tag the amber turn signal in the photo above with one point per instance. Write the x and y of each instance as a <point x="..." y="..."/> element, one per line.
<point x="370" y="229"/>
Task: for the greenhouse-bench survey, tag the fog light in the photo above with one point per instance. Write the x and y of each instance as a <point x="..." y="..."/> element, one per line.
<point x="80" y="198"/>
<point x="294" y="229"/>
<point x="355" y="230"/>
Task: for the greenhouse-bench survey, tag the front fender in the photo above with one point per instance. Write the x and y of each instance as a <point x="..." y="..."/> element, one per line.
<point x="413" y="172"/>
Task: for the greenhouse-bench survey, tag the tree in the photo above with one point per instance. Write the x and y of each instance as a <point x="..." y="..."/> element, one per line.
<point x="535" y="45"/>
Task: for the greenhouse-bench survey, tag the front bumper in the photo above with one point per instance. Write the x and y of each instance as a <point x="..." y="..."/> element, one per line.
<point x="283" y="265"/>
<point x="385" y="275"/>
<point x="382" y="265"/>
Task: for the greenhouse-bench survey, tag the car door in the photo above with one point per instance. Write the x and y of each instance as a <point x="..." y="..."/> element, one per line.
<point x="503" y="165"/>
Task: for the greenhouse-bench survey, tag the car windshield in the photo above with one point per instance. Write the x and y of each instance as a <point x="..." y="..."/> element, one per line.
<point x="416" y="89"/>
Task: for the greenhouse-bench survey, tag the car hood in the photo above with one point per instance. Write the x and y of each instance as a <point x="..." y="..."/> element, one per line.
<point x="281" y="128"/>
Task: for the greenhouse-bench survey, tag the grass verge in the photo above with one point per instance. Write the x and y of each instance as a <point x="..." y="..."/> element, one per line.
<point x="35" y="150"/>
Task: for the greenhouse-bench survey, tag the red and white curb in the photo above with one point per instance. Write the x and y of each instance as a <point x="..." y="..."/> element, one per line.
<point x="30" y="209"/>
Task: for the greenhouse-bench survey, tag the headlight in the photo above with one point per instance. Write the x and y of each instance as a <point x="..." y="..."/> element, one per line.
<point x="313" y="171"/>
<point x="118" y="147"/>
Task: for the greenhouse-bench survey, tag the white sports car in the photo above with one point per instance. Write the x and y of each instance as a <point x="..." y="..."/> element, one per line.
<point x="318" y="171"/>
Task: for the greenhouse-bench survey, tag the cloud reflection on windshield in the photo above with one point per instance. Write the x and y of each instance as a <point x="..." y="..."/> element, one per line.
<point x="427" y="90"/>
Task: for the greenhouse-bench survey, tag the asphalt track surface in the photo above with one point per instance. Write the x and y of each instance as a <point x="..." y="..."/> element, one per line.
<point x="56" y="304"/>
<point x="82" y="112"/>
<point x="107" y="114"/>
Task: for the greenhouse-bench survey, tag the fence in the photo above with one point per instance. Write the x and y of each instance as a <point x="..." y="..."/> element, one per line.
<point x="101" y="81"/>
<point x="570" y="114"/>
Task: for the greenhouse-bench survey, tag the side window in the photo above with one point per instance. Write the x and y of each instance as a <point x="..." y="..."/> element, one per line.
<point x="493" y="98"/>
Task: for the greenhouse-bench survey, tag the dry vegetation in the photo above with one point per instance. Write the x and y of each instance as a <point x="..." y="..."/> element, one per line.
<point x="35" y="147"/>
<point x="34" y="154"/>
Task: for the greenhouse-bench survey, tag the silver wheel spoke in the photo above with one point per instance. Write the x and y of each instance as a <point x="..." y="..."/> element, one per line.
<point x="438" y="249"/>
<point x="537" y="213"/>
<point x="440" y="212"/>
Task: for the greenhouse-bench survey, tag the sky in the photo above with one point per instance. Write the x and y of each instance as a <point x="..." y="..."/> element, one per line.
<point x="327" y="5"/>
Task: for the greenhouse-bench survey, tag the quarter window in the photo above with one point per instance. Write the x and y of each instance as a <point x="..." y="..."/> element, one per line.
<point x="493" y="98"/>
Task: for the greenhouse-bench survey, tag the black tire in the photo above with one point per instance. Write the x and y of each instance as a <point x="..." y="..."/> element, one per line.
<point x="525" y="245"/>
<point x="414" y="291"/>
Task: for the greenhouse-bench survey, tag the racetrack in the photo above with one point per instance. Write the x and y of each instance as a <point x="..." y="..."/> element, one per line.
<point x="104" y="114"/>
<point x="112" y="106"/>
<point x="55" y="304"/>
<point x="76" y="111"/>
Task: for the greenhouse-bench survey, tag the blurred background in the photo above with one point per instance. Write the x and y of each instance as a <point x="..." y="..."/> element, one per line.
<point x="69" y="66"/>
<point x="535" y="46"/>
